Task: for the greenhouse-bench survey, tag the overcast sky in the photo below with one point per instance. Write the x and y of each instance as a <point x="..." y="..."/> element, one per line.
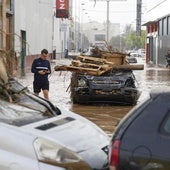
<point x="123" y="12"/>
<point x="120" y="11"/>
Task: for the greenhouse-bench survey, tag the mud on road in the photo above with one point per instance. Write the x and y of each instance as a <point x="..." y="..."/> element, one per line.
<point x="105" y="116"/>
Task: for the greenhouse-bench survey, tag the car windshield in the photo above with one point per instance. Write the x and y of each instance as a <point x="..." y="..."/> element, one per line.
<point x="18" y="106"/>
<point x="19" y="115"/>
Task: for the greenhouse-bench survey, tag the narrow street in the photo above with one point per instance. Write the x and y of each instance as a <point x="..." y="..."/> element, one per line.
<point x="105" y="116"/>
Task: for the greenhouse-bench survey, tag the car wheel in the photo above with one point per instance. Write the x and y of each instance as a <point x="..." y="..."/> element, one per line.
<point x="134" y="98"/>
<point x="74" y="100"/>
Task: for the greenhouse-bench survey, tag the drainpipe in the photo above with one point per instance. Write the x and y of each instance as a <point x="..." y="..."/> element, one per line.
<point x="4" y="24"/>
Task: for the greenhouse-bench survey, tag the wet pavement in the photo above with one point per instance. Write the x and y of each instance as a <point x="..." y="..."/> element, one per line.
<point x="105" y="116"/>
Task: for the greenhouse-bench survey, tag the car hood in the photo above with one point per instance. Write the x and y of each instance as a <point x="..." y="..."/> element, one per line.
<point x="70" y="130"/>
<point x="112" y="78"/>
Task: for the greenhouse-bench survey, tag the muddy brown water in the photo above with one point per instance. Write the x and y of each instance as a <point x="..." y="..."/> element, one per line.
<point x="105" y="116"/>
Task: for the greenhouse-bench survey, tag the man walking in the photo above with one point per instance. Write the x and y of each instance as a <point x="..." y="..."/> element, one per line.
<point x="41" y="68"/>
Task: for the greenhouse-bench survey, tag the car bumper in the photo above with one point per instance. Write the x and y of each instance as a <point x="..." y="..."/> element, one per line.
<point x="117" y="96"/>
<point x="74" y="166"/>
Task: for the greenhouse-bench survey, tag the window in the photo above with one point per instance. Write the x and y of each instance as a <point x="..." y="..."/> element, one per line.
<point x="168" y="26"/>
<point x="160" y="27"/>
<point x="164" y="26"/>
<point x="99" y="37"/>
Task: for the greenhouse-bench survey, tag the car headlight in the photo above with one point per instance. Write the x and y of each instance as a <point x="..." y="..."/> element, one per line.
<point x="52" y="153"/>
<point x="82" y="82"/>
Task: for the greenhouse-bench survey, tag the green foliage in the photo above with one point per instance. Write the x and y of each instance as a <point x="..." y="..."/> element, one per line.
<point x="128" y="40"/>
<point x="115" y="42"/>
<point x="135" y="42"/>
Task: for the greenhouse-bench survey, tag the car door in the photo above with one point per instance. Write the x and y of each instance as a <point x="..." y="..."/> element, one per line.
<point x="144" y="146"/>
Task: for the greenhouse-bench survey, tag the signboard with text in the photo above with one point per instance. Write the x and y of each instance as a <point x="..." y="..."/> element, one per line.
<point x="62" y="8"/>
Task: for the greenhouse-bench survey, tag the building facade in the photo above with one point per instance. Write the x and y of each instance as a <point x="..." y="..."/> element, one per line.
<point x="158" y="32"/>
<point x="26" y="27"/>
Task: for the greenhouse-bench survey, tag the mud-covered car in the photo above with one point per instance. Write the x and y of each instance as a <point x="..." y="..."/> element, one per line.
<point x="115" y="87"/>
<point x="36" y="135"/>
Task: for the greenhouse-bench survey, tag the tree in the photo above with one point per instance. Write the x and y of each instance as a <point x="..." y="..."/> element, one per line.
<point x="118" y="42"/>
<point x="129" y="39"/>
<point x="135" y="42"/>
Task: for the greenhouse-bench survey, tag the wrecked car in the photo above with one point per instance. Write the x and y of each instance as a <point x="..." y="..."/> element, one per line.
<point x="115" y="87"/>
<point x="107" y="78"/>
<point x="37" y="135"/>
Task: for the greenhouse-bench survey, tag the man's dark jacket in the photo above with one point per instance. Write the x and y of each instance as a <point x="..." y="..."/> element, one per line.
<point x="40" y="64"/>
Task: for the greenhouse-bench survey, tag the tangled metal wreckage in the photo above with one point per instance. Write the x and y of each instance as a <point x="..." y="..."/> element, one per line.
<point x="103" y="77"/>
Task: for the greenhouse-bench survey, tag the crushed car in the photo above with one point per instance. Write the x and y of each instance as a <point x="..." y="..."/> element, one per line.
<point x="105" y="78"/>
<point x="115" y="87"/>
<point x="35" y="134"/>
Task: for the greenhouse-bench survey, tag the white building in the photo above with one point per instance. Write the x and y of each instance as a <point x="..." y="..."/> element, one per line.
<point x="36" y="27"/>
<point x="33" y="24"/>
<point x="96" y="32"/>
<point x="156" y="9"/>
<point x="158" y="31"/>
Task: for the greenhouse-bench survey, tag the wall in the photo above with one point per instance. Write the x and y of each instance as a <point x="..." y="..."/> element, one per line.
<point x="35" y="18"/>
<point x="157" y="9"/>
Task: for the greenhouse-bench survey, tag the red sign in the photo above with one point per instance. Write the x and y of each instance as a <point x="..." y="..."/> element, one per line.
<point x="62" y="8"/>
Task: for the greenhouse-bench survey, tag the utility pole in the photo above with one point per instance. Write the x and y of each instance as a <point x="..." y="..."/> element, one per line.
<point x="108" y="22"/>
<point x="138" y="17"/>
<point x="107" y="34"/>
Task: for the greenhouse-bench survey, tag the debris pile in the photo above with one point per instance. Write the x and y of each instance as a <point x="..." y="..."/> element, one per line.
<point x="102" y="62"/>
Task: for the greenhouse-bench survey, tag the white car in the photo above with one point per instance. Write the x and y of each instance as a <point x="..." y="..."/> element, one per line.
<point x="88" y="52"/>
<point x="35" y="135"/>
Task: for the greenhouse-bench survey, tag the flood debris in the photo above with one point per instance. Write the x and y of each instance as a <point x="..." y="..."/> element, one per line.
<point x="103" y="77"/>
<point x="104" y="62"/>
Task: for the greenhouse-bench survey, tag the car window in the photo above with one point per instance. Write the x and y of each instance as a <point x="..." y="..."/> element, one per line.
<point x="165" y="128"/>
<point x="18" y="104"/>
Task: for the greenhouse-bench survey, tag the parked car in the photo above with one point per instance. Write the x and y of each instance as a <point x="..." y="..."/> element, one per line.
<point x="88" y="51"/>
<point x="36" y="135"/>
<point x="141" y="140"/>
<point x="135" y="54"/>
<point x="114" y="87"/>
<point x="131" y="59"/>
<point x="73" y="54"/>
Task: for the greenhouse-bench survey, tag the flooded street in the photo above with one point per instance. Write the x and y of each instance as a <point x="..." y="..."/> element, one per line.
<point x="105" y="116"/>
